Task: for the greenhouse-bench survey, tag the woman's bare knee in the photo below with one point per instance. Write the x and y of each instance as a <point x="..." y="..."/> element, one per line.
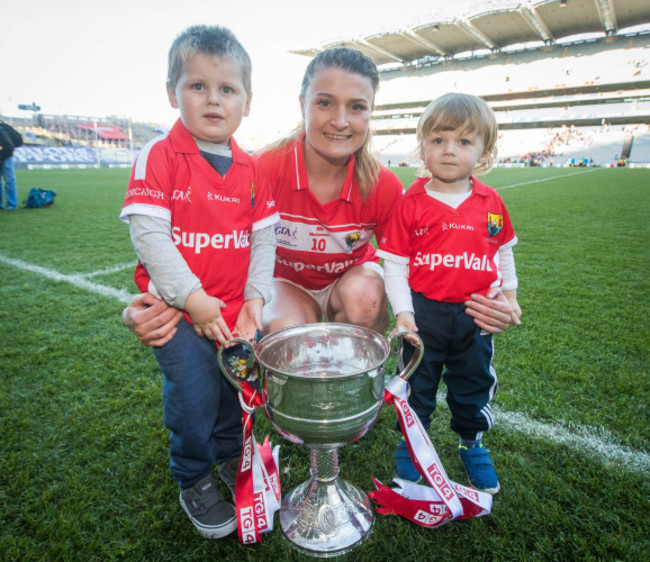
<point x="360" y="299"/>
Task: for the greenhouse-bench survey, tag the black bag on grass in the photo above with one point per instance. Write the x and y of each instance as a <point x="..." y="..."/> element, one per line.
<point x="37" y="198"/>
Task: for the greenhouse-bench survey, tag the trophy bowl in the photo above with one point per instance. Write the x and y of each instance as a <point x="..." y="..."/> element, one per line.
<point x="322" y="386"/>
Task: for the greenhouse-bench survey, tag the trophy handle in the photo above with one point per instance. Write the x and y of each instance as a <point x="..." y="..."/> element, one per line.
<point x="244" y="369"/>
<point x="417" y="356"/>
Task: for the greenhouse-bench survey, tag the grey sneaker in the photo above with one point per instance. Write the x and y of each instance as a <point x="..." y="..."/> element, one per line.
<point x="228" y="470"/>
<point x="212" y="516"/>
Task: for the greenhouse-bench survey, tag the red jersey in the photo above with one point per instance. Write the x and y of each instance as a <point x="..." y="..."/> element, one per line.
<point x="317" y="243"/>
<point x="211" y="216"/>
<point x="451" y="253"/>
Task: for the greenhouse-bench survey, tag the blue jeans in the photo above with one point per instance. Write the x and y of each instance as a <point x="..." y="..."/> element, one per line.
<point x="200" y="407"/>
<point x="9" y="177"/>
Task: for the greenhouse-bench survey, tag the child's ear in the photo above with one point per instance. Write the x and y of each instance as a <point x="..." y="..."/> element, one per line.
<point x="483" y="159"/>
<point x="171" y="94"/>
<point x="247" y="107"/>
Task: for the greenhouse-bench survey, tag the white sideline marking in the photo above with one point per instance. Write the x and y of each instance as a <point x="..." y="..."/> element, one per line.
<point x="550" y="178"/>
<point x="593" y="441"/>
<point x="108" y="270"/>
<point x="584" y="436"/>
<point x="76" y="279"/>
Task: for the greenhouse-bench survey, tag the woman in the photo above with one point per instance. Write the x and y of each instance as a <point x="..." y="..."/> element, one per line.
<point x="332" y="196"/>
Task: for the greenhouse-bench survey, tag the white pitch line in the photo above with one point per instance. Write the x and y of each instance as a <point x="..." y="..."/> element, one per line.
<point x="585" y="437"/>
<point x="76" y="279"/>
<point x="109" y="270"/>
<point x="559" y="176"/>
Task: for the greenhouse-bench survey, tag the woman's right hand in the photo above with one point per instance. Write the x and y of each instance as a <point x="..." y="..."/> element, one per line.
<point x="151" y="319"/>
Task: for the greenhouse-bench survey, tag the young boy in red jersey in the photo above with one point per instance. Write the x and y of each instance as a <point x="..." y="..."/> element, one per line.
<point x="201" y="217"/>
<point x="451" y="237"/>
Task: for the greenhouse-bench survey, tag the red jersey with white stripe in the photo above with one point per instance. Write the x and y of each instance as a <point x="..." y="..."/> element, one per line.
<point x="451" y="253"/>
<point x="317" y="243"/>
<point x="211" y="216"/>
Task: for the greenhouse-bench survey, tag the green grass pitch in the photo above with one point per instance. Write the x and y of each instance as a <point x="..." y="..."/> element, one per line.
<point x="83" y="452"/>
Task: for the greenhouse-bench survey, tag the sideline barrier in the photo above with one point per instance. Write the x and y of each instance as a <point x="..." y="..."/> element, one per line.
<point x="48" y="157"/>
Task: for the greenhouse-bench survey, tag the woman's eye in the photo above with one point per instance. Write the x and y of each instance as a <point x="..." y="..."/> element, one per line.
<point x="227" y="90"/>
<point x="323" y="103"/>
<point x="196" y="86"/>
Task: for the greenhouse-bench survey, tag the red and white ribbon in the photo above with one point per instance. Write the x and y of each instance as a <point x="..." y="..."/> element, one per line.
<point x="444" y="500"/>
<point x="257" y="490"/>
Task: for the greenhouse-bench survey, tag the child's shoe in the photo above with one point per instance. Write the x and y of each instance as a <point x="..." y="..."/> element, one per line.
<point x="228" y="470"/>
<point x="212" y="516"/>
<point x="479" y="468"/>
<point x="404" y="467"/>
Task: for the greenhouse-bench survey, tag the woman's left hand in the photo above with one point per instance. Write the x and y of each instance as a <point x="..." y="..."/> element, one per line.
<point x="491" y="312"/>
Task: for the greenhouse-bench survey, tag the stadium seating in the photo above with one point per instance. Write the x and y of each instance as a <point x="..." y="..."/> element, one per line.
<point x="582" y="100"/>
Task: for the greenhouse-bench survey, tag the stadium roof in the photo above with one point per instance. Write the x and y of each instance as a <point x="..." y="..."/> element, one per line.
<point x="495" y="25"/>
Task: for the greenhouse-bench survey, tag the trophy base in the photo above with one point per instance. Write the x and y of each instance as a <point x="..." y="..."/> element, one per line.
<point x="326" y="518"/>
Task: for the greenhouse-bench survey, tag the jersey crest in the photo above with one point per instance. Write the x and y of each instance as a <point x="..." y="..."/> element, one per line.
<point x="351" y="239"/>
<point x="494" y="224"/>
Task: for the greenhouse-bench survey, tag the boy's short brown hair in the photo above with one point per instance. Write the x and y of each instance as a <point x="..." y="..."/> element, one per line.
<point x="211" y="40"/>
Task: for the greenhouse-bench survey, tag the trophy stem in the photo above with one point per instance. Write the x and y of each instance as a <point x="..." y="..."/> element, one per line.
<point x="324" y="464"/>
<point x="326" y="516"/>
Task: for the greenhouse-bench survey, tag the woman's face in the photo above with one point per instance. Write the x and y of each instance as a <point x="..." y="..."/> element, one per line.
<point x="336" y="109"/>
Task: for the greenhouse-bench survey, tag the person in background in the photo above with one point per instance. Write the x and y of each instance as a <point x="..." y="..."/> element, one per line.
<point x="9" y="140"/>
<point x="451" y="237"/>
<point x="201" y="218"/>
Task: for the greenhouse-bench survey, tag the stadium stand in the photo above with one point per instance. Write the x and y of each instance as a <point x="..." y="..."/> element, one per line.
<point x="79" y="141"/>
<point x="570" y="84"/>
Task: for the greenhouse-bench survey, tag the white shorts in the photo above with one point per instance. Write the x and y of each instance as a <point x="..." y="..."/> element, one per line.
<point x="322" y="296"/>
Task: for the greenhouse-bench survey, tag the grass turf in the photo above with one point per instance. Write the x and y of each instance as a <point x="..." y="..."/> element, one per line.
<point x="83" y="453"/>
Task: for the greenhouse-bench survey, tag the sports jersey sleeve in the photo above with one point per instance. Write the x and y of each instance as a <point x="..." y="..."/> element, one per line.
<point x="390" y="194"/>
<point x="149" y="185"/>
<point x="265" y="212"/>
<point x="509" y="238"/>
<point x="395" y="242"/>
<point x="505" y="255"/>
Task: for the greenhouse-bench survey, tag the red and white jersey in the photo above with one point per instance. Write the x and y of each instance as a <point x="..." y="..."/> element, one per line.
<point x="451" y="253"/>
<point x="317" y="243"/>
<point x="211" y="217"/>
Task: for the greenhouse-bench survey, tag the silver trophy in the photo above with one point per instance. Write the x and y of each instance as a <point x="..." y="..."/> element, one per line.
<point x="322" y="386"/>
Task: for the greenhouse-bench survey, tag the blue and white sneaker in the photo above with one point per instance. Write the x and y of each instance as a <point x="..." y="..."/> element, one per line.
<point x="479" y="468"/>
<point x="404" y="467"/>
